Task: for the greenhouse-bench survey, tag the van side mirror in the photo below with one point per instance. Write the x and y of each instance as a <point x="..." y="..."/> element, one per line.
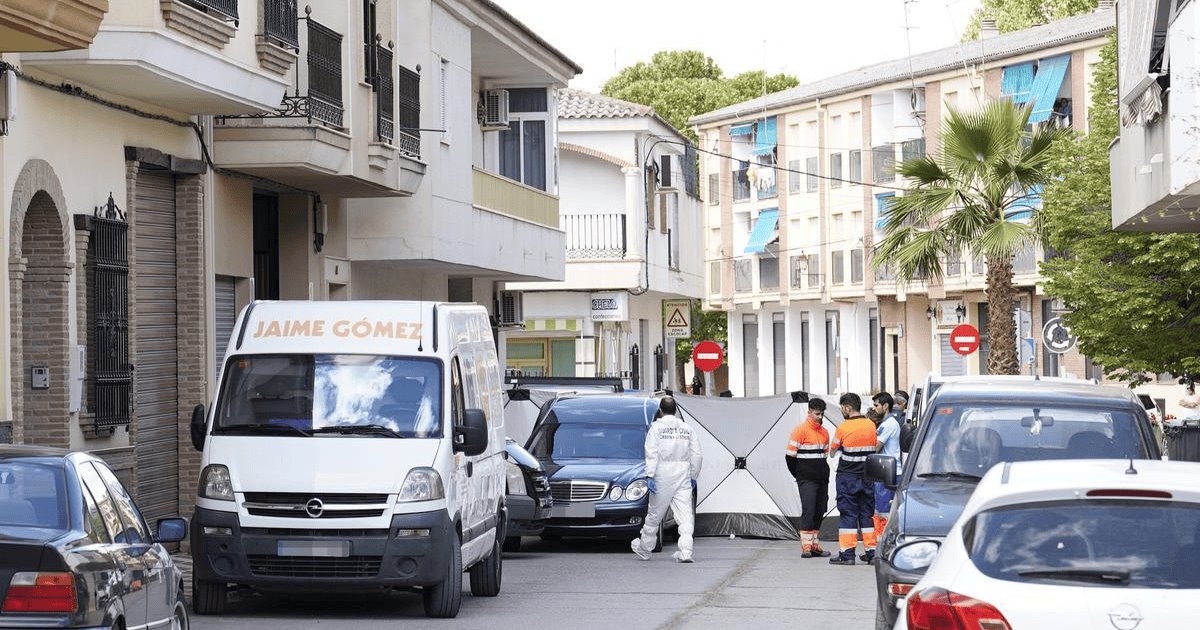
<point x="472" y="436"/>
<point x="171" y="530"/>
<point x="882" y="468"/>
<point x="908" y="432"/>
<point x="198" y="427"/>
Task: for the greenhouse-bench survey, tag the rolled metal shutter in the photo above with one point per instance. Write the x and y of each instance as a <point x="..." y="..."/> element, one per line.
<point x="225" y="317"/>
<point x="156" y="374"/>
<point x="953" y="363"/>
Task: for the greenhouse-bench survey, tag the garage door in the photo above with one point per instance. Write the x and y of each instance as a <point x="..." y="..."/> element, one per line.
<point x="156" y="355"/>
<point x="226" y="317"/>
<point x="953" y="363"/>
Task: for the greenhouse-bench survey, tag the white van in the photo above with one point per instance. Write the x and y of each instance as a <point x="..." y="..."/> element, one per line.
<point x="352" y="446"/>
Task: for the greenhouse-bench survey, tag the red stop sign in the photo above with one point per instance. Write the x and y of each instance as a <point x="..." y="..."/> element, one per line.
<point x="964" y="339"/>
<point x="707" y="356"/>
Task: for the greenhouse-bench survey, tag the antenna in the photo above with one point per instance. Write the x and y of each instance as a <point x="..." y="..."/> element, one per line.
<point x="1131" y="470"/>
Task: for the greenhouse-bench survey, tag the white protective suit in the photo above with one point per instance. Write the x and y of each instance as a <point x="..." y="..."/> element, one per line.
<point x="673" y="460"/>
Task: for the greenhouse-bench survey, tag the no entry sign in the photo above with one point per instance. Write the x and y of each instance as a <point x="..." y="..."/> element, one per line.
<point x="707" y="356"/>
<point x="964" y="339"/>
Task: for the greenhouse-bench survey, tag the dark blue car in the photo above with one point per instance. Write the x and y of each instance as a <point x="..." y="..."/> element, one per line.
<point x="592" y="448"/>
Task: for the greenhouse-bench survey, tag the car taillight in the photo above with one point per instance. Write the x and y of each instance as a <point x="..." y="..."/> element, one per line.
<point x="40" y="593"/>
<point x="939" y="609"/>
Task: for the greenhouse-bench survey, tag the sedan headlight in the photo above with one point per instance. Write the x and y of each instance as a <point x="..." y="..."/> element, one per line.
<point x="421" y="484"/>
<point x="614" y="494"/>
<point x="516" y="479"/>
<point x="915" y="556"/>
<point x="636" y="490"/>
<point x="215" y="483"/>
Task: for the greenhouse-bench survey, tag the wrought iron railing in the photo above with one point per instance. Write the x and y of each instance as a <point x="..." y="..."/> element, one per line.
<point x="324" y="74"/>
<point x="113" y="373"/>
<point x="594" y="236"/>
<point x="227" y="8"/>
<point x="280" y="22"/>
<point x="408" y="115"/>
<point x="385" y="95"/>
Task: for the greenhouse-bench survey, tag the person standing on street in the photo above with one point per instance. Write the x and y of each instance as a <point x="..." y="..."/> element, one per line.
<point x="672" y="466"/>
<point x="888" y="436"/>
<point x="806" y="450"/>
<point x="855" y="438"/>
<point x="900" y="406"/>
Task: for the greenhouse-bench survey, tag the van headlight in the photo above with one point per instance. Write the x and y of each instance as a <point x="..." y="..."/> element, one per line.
<point x="636" y="490"/>
<point x="421" y="484"/>
<point x="215" y="483"/>
<point x="516" y="478"/>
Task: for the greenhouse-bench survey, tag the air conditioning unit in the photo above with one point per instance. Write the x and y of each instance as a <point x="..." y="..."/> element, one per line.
<point x="494" y="114"/>
<point x="508" y="311"/>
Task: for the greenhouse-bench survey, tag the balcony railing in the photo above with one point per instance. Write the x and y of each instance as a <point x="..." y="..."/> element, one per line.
<point x="594" y="236"/>
<point x="325" y="74"/>
<point x="385" y="95"/>
<point x="279" y="23"/>
<point x="408" y="118"/>
<point x="225" y="8"/>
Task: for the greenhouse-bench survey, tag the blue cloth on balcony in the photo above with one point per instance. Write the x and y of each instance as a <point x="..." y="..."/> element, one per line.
<point x="1022" y="209"/>
<point x="763" y="232"/>
<point x="764" y="140"/>
<point x="883" y="204"/>
<point x="741" y="130"/>
<point x="1046" y="85"/>
<point x="1017" y="82"/>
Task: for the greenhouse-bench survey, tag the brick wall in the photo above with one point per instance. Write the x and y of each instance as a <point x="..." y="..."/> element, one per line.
<point x="192" y="325"/>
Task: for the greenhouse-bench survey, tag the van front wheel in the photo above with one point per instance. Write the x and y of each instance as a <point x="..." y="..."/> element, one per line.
<point x="443" y="599"/>
<point x="486" y="575"/>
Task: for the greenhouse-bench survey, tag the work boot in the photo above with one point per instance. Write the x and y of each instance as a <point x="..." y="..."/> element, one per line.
<point x="807" y="553"/>
<point x="868" y="557"/>
<point x="682" y="556"/>
<point x="818" y="552"/>
<point x="842" y="560"/>
<point x="636" y="546"/>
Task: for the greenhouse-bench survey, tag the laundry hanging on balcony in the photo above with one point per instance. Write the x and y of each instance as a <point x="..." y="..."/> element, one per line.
<point x="1046" y="85"/>
<point x="763" y="232"/>
<point x="1021" y="211"/>
<point x="883" y="205"/>
<point x="764" y="138"/>
<point x="1017" y="82"/>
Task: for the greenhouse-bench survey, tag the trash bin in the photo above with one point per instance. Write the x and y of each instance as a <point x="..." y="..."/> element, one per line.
<point x="1183" y="442"/>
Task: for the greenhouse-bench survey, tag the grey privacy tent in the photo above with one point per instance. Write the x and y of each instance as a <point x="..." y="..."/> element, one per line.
<point x="745" y="487"/>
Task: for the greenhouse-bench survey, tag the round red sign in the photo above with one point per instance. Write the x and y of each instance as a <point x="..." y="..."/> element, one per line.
<point x="708" y="356"/>
<point x="964" y="339"/>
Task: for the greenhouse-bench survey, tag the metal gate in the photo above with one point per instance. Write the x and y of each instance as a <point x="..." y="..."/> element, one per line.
<point x="156" y="366"/>
<point x="226" y="317"/>
<point x="953" y="363"/>
<point x="108" y="251"/>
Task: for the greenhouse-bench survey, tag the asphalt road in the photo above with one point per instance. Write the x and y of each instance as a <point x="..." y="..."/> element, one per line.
<point x="587" y="584"/>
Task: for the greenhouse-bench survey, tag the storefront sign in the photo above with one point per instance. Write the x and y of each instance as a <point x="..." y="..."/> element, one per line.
<point x="612" y="306"/>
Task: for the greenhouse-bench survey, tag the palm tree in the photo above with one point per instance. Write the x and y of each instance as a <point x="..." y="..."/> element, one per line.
<point x="959" y="199"/>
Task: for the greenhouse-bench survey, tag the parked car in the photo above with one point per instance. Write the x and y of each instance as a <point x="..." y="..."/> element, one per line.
<point x="527" y="496"/>
<point x="969" y="424"/>
<point x="593" y="449"/>
<point x="75" y="551"/>
<point x="1073" y="545"/>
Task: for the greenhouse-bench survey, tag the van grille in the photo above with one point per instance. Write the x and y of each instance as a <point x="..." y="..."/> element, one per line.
<point x="351" y="567"/>
<point x="575" y="490"/>
<point x="297" y="505"/>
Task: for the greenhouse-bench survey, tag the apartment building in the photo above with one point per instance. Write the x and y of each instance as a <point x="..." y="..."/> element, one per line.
<point x="174" y="159"/>
<point x="798" y="186"/>
<point x="631" y="216"/>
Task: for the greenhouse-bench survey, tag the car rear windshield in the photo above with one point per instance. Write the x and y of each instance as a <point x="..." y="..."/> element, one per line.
<point x="597" y="441"/>
<point x="1106" y="543"/>
<point x="32" y="495"/>
<point x="969" y="438"/>
<point x="306" y="393"/>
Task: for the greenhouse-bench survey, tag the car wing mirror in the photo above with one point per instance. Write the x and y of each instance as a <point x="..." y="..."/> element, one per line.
<point x="882" y="468"/>
<point x="198" y="427"/>
<point x="908" y="433"/>
<point x="471" y="437"/>
<point x="915" y="556"/>
<point x="171" y="530"/>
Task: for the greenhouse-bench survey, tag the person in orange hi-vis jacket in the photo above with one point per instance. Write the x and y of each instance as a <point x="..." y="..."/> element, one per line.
<point x="806" y="450"/>
<point x="855" y="439"/>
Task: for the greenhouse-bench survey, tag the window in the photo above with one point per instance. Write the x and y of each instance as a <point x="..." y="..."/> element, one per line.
<point x="794" y="176"/>
<point x="93" y="523"/>
<point x="837" y="268"/>
<point x="104" y="502"/>
<point x="370" y="28"/>
<point x="811" y="166"/>
<point x="855" y="167"/>
<point x="768" y="274"/>
<point x="523" y="146"/>
<point x="814" y="271"/>
<point x="714" y="189"/>
<point x="856" y="266"/>
<point x="457" y="405"/>
<point x="714" y="277"/>
<point x="741" y="182"/>
<point x="742" y="281"/>
<point x="33" y="495"/>
<point x="750" y="353"/>
<point x="133" y="527"/>
<point x="804" y="352"/>
<point x="835" y="170"/>
<point x="884" y="163"/>
<point x="796" y="267"/>
<point x="832" y="347"/>
<point x="779" y="339"/>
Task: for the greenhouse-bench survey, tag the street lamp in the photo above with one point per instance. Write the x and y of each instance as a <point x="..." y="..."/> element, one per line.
<point x="930" y="312"/>
<point x="961" y="311"/>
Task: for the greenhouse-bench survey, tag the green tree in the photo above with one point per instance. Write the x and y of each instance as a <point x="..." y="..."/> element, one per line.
<point x="959" y="199"/>
<point x="680" y="84"/>
<point x="1132" y="295"/>
<point x="1014" y="15"/>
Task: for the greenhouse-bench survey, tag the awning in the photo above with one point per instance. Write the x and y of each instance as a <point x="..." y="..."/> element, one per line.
<point x="741" y="130"/>
<point x="763" y="232"/>
<point x="764" y="140"/>
<point x="1021" y="211"/>
<point x="1046" y="85"/>
<point x="1017" y="82"/>
<point x="883" y="204"/>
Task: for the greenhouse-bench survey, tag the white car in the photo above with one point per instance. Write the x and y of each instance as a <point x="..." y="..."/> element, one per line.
<point x="1065" y="544"/>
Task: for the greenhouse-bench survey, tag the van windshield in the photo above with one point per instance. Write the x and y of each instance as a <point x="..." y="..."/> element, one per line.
<point x="966" y="439"/>
<point x="334" y="394"/>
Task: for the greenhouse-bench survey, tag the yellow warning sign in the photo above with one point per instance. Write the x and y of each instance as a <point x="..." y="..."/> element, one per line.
<point x="677" y="319"/>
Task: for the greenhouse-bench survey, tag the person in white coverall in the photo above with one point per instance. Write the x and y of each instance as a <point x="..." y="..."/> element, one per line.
<point x="672" y="466"/>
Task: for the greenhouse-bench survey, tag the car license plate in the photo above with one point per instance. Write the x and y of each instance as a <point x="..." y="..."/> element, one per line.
<point x="314" y="548"/>
<point x="582" y="509"/>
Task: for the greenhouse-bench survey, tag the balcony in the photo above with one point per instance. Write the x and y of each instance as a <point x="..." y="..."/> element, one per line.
<point x="182" y="56"/>
<point x="49" y="25"/>
<point x="595" y="236"/>
<point x="279" y="42"/>
<point x="502" y="195"/>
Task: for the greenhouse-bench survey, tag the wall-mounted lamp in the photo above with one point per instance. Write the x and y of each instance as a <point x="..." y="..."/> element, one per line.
<point x="930" y="312"/>
<point x="961" y="311"/>
<point x="320" y="224"/>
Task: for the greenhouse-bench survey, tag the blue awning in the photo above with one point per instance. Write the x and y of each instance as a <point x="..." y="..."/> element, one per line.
<point x="764" y="140"/>
<point x="763" y="232"/>
<point x="741" y="130"/>
<point x="1021" y="210"/>
<point x="1017" y="82"/>
<point x="883" y="204"/>
<point x="1046" y="85"/>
